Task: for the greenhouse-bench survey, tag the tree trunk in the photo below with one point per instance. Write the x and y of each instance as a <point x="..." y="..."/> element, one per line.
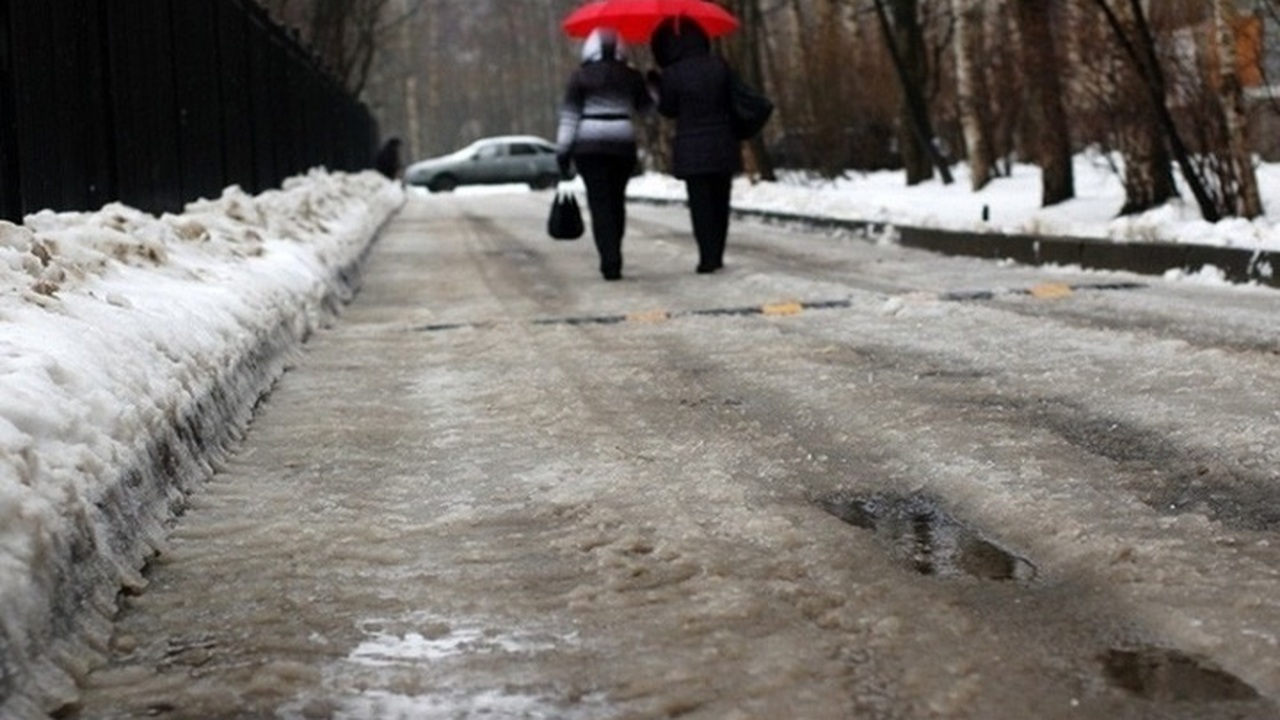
<point x="746" y="56"/>
<point x="970" y="90"/>
<point x="1248" y="203"/>
<point x="916" y="135"/>
<point x="434" y="99"/>
<point x="808" y="97"/>
<point x="1133" y="32"/>
<point x="1148" y="178"/>
<point x="413" y="125"/>
<point x="904" y="39"/>
<point x="1044" y="94"/>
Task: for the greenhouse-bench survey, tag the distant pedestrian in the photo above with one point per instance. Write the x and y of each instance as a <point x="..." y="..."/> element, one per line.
<point x="388" y="160"/>
<point x="693" y="88"/>
<point x="597" y="135"/>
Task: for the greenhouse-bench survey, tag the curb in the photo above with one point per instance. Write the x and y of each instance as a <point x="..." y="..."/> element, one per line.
<point x="1237" y="266"/>
<point x="1154" y="258"/>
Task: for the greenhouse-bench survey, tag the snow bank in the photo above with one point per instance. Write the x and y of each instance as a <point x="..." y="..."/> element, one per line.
<point x="132" y="351"/>
<point x="1008" y="205"/>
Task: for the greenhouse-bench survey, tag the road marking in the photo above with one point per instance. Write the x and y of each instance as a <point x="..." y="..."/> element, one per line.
<point x="782" y="309"/>
<point x="1051" y="291"/>
<point x="651" y="317"/>
<point x="790" y="308"/>
<point x="1042" y="291"/>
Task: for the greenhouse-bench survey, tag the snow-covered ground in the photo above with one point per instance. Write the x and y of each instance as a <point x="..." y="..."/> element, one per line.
<point x="133" y="349"/>
<point x="1012" y="204"/>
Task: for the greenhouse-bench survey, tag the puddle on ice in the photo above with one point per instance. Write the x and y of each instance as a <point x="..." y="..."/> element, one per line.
<point x="924" y="536"/>
<point x="1165" y="675"/>
<point x="407" y="669"/>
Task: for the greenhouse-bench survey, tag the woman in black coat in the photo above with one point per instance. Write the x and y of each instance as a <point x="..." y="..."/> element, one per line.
<point x="693" y="88"/>
<point x="387" y="161"/>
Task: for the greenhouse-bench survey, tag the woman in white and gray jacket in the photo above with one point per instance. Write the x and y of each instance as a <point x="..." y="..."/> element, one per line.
<point x="596" y="133"/>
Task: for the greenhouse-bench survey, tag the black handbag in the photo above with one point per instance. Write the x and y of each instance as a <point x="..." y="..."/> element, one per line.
<point x="565" y="221"/>
<point x="750" y="108"/>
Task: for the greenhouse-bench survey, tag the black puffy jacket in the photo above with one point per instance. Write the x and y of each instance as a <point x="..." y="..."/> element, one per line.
<point x="695" y="91"/>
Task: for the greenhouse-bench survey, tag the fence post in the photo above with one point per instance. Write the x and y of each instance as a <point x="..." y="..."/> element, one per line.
<point x="197" y="66"/>
<point x="93" y="167"/>
<point x="10" y="198"/>
<point x="140" y="48"/>
<point x="33" y="72"/>
<point x="262" y="96"/>
<point x="237" y="141"/>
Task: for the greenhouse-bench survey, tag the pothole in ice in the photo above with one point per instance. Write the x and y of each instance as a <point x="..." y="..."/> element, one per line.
<point x="927" y="538"/>
<point x="1165" y="675"/>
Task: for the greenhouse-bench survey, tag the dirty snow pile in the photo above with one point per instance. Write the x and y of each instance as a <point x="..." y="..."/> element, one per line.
<point x="132" y="349"/>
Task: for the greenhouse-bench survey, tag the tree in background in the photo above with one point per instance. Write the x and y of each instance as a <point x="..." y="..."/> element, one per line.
<point x="971" y="90"/>
<point x="1134" y="32"/>
<point x="344" y="34"/>
<point x="478" y="67"/>
<point x="863" y="84"/>
<point x="1240" y="191"/>
<point x="1047" y="117"/>
<point x="904" y="39"/>
<point x="744" y="50"/>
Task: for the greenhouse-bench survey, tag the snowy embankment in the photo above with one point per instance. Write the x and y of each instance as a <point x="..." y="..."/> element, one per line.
<point x="133" y="350"/>
<point x="1009" y="204"/>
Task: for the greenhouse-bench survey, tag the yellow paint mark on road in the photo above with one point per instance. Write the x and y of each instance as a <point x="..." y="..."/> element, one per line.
<point x="1051" y="291"/>
<point x="649" y="316"/>
<point x="789" y="307"/>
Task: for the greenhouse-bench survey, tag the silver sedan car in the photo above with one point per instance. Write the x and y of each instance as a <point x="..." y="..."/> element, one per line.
<point x="508" y="159"/>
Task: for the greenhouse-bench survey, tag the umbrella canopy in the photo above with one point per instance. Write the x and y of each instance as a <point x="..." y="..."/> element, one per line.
<point x="635" y="20"/>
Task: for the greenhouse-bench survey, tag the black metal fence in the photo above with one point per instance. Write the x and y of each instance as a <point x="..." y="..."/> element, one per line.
<point x="157" y="102"/>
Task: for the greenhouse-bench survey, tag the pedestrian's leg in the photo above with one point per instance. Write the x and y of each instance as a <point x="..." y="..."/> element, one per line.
<point x="619" y="176"/>
<point x="702" y="214"/>
<point x="605" y="227"/>
<point x="723" y="190"/>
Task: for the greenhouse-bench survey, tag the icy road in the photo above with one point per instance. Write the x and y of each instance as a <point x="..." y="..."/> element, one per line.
<point x="839" y="479"/>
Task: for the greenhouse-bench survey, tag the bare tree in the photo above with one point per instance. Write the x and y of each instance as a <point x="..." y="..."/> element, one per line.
<point x="970" y="90"/>
<point x="904" y="39"/>
<point x="1247" y="201"/>
<point x="344" y="34"/>
<point x="1044" y="90"/>
<point x="745" y="55"/>
<point x="1133" y="32"/>
<point x="866" y="84"/>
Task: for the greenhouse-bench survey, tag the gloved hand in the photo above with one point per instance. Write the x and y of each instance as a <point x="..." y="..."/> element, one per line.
<point x="563" y="160"/>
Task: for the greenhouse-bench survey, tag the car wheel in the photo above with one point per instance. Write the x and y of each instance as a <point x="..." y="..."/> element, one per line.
<point x="544" y="182"/>
<point x="444" y="183"/>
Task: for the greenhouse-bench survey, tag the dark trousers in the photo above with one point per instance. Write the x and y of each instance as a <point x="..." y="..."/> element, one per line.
<point x="606" y="178"/>
<point x="709" y="211"/>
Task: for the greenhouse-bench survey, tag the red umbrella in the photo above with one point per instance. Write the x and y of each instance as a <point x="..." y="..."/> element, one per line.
<point x="635" y="20"/>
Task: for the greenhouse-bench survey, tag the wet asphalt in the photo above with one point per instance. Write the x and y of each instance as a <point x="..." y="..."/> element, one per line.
<point x="839" y="479"/>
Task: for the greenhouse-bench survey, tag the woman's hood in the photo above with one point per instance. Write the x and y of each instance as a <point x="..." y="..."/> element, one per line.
<point x="603" y="44"/>
<point x="677" y="38"/>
